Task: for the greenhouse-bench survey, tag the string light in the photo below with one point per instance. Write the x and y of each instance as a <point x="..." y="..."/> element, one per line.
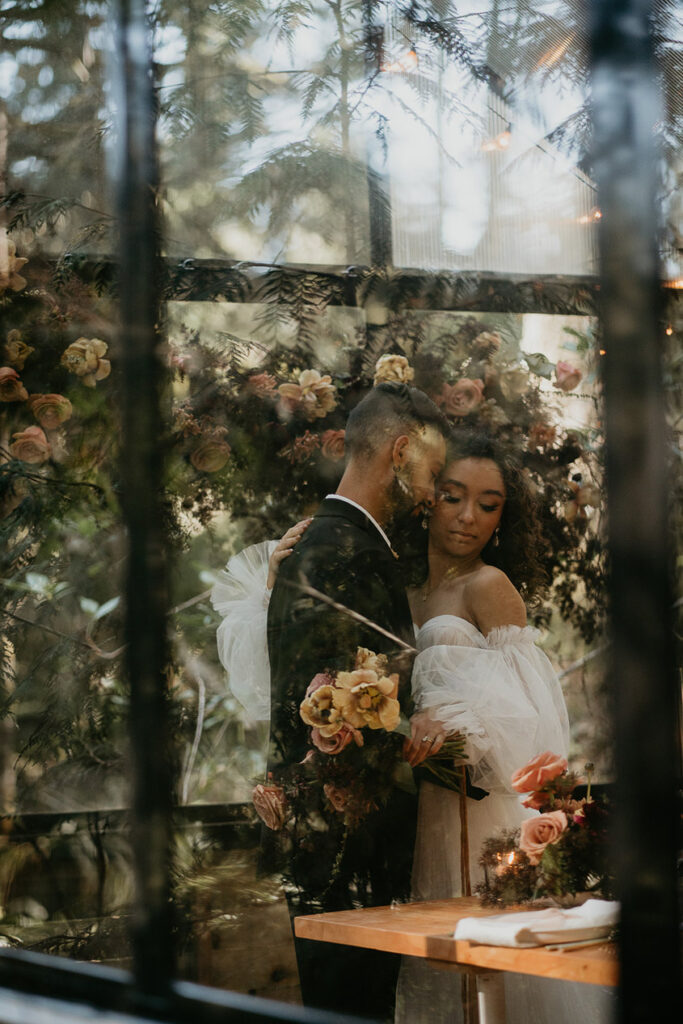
<point x="404" y="65"/>
<point x="590" y="218"/>
<point x="501" y="141"/>
<point x="669" y="330"/>
<point x="676" y="283"/>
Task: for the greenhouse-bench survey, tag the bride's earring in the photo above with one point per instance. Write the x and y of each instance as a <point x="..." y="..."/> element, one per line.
<point x="496" y="538"/>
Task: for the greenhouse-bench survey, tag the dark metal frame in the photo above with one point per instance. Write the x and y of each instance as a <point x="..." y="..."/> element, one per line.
<point x="642" y="669"/>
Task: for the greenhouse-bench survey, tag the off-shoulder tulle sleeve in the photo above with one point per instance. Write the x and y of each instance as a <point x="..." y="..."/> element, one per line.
<point x="241" y="597"/>
<point x="504" y="695"/>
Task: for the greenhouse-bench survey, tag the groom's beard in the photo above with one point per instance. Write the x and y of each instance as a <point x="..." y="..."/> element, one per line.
<point x="403" y="507"/>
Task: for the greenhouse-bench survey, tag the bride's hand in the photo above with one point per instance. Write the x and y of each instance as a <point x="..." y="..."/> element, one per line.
<point x="426" y="737"/>
<point x="284" y="548"/>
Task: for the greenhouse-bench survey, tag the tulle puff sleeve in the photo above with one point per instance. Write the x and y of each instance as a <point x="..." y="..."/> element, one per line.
<point x="241" y="597"/>
<point x="503" y="694"/>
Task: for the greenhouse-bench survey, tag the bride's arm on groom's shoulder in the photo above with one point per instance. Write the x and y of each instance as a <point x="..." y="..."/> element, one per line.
<point x="284" y="548"/>
<point x="493" y="601"/>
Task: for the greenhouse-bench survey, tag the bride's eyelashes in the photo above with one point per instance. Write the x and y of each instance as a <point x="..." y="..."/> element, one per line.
<point x="452" y="499"/>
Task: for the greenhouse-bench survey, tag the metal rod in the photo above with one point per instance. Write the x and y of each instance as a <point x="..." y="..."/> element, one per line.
<point x="142" y="481"/>
<point x="642" y="661"/>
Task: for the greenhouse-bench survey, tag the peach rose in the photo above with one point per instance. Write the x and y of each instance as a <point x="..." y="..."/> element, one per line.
<point x="314" y="394"/>
<point x="367" y="659"/>
<point x="540" y="770"/>
<point x="567" y="376"/>
<point x="50" y="410"/>
<point x="333" y="444"/>
<point x="85" y="358"/>
<point x="461" y="398"/>
<point x="537" y="833"/>
<point x="10" y="267"/>
<point x="30" y="446"/>
<point x="16" y="350"/>
<point x="210" y="455"/>
<point x="270" y="805"/>
<point x="11" y="388"/>
<point x="393" y="368"/>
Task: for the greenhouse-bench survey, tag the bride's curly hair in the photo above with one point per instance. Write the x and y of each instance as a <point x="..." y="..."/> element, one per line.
<point x="520" y="546"/>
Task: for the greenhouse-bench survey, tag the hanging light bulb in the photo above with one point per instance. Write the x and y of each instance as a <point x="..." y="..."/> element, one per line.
<point x="669" y="330"/>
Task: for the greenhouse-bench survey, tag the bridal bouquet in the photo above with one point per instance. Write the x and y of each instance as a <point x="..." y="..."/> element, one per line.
<point x="347" y="711"/>
<point x="558" y="854"/>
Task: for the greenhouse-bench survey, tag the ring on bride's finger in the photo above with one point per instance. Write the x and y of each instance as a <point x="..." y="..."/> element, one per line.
<point x="426" y="739"/>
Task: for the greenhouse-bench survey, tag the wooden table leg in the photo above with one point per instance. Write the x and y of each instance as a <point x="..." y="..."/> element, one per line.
<point x="491" y="997"/>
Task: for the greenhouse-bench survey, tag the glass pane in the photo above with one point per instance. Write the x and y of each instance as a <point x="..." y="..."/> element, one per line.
<point x="352" y="192"/>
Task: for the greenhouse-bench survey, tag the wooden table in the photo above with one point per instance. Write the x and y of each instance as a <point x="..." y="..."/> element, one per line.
<point x="426" y="930"/>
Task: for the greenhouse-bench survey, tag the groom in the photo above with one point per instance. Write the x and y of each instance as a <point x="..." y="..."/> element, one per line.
<point x="349" y="847"/>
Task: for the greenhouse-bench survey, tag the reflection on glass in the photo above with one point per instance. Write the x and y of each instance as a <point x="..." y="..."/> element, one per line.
<point x="352" y="192"/>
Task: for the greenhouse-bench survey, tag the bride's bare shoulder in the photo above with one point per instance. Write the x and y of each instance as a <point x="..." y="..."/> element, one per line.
<point x="493" y="600"/>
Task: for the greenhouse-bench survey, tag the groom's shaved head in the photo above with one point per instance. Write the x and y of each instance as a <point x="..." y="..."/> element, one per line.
<point x="387" y="412"/>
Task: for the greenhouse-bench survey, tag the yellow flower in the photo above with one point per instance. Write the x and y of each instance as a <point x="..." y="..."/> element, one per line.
<point x="210" y="455"/>
<point x="393" y="367"/>
<point x="369" y="699"/>
<point x="9" y="267"/>
<point x="16" y="350"/>
<point x="320" y="710"/>
<point x="84" y="358"/>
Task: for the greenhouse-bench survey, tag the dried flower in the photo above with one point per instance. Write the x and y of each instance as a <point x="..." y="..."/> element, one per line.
<point x="514" y="380"/>
<point x="541" y="435"/>
<point x="487" y="341"/>
<point x="210" y="455"/>
<point x="30" y="446"/>
<point x="50" y="410"/>
<point x="270" y="805"/>
<point x="462" y="398"/>
<point x="393" y="368"/>
<point x="10" y="267"/>
<point x="332" y="442"/>
<point x="11" y="388"/>
<point x="314" y="395"/>
<point x="301" y="448"/>
<point x="85" y="358"/>
<point x="263" y="385"/>
<point x="567" y="376"/>
<point x="16" y="350"/>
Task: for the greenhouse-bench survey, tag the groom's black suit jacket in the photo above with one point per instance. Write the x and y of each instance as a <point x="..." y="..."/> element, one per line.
<point x="343" y="555"/>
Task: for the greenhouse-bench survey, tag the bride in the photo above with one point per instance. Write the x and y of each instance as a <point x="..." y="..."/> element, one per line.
<point x="478" y="672"/>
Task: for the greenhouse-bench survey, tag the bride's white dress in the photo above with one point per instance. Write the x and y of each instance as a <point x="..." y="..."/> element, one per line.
<point x="502" y="692"/>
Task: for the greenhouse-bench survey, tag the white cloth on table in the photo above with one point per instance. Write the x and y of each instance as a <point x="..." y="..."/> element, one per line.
<point x="594" y="919"/>
<point x="241" y="597"/>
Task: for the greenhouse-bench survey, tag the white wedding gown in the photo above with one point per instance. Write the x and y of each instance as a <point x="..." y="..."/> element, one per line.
<point x="502" y="692"/>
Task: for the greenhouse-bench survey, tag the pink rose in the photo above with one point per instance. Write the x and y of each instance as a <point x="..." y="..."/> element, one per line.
<point x="567" y="376"/>
<point x="270" y="803"/>
<point x="30" y="446"/>
<point x="537" y="833"/>
<point x="461" y="398"/>
<point x="335" y="744"/>
<point x="537" y="772"/>
<point x="11" y="388"/>
<point x="50" y="410"/>
<point x="333" y="444"/>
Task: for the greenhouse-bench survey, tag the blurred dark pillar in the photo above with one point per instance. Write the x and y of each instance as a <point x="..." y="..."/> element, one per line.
<point x="142" y="479"/>
<point x="626" y="108"/>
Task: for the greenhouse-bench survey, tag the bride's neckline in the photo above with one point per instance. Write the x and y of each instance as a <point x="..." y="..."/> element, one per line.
<point x="449" y="615"/>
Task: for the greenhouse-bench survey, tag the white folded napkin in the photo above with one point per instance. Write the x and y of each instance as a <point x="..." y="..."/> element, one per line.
<point x="594" y="919"/>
